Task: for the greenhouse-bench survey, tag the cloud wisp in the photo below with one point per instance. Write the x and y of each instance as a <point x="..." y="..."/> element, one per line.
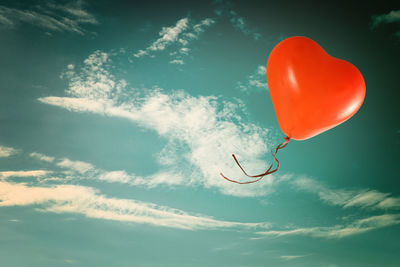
<point x="168" y="36"/>
<point x="7" y="151"/>
<point x="391" y="17"/>
<point x="41" y="157"/>
<point x="76" y="166"/>
<point x="200" y="130"/>
<point x="51" y="17"/>
<point x="365" y="199"/>
<point x="180" y="36"/>
<point x="292" y="257"/>
<point x="64" y="170"/>
<point x="64" y="198"/>
<point x="225" y="9"/>
<point x="341" y="230"/>
<point x="361" y="199"/>
<point x="255" y="82"/>
<point x="55" y="190"/>
<point x="90" y="203"/>
<point x="30" y="173"/>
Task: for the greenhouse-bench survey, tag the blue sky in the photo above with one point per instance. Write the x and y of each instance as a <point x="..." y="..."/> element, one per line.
<point x="117" y="118"/>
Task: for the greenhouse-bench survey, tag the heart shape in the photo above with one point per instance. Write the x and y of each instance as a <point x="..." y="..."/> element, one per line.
<point x="311" y="91"/>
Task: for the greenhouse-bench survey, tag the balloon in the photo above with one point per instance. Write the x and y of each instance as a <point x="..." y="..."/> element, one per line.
<point x="311" y="91"/>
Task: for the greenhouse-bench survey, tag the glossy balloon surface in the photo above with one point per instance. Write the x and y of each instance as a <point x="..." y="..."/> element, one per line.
<point x="311" y="91"/>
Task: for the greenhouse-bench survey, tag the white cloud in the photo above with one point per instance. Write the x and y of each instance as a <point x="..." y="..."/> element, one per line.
<point x="140" y="53"/>
<point x="116" y="176"/>
<point x="37" y="195"/>
<point x="5" y="21"/>
<point x="41" y="157"/>
<point x="168" y="178"/>
<point x="77" y="166"/>
<point x="87" y="201"/>
<point x="292" y="257"/>
<point x="364" y="199"/>
<point x="196" y="123"/>
<point x="257" y="81"/>
<point x="241" y="24"/>
<point x="70" y="261"/>
<point x="224" y="8"/>
<point x="177" y="61"/>
<point x="202" y="131"/>
<point x="389" y="203"/>
<point x="78" y="170"/>
<point x="168" y="35"/>
<point x="171" y="178"/>
<point x="76" y="10"/>
<point x="197" y="29"/>
<point x="32" y="173"/>
<point x="7" y="151"/>
<point x="182" y="34"/>
<point x="340" y="231"/>
<point x="53" y="17"/>
<point x="184" y="50"/>
<point x="370" y="199"/>
<point x="392" y="16"/>
<point x="78" y="104"/>
<point x="94" y="80"/>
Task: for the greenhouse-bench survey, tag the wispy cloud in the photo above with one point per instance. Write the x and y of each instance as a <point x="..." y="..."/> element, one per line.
<point x="52" y="17"/>
<point x="391" y="17"/>
<point x="94" y="81"/>
<point x="241" y="24"/>
<point x="31" y="173"/>
<point x="69" y="261"/>
<point x="340" y="231"/>
<point x="225" y="9"/>
<point x="41" y="157"/>
<point x="76" y="10"/>
<point x="292" y="257"/>
<point x="82" y="170"/>
<point x="363" y="199"/>
<point x="255" y="82"/>
<point x="89" y="202"/>
<point x="116" y="176"/>
<point x="177" y="61"/>
<point x="202" y="131"/>
<point x="169" y="35"/>
<point x="4" y="20"/>
<point x="180" y="35"/>
<point x="366" y="199"/>
<point x="166" y="178"/>
<point x="66" y="170"/>
<point x="77" y="166"/>
<point x="7" y="151"/>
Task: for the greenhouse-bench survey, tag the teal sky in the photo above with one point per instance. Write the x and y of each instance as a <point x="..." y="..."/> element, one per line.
<point x="117" y="117"/>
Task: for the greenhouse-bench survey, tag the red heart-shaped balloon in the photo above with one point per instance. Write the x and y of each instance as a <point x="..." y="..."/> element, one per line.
<point x="312" y="91"/>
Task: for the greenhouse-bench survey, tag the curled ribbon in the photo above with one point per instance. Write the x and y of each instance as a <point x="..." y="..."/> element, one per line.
<point x="269" y="171"/>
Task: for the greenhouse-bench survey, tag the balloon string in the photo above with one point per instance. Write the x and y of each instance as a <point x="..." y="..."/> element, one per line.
<point x="269" y="171"/>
